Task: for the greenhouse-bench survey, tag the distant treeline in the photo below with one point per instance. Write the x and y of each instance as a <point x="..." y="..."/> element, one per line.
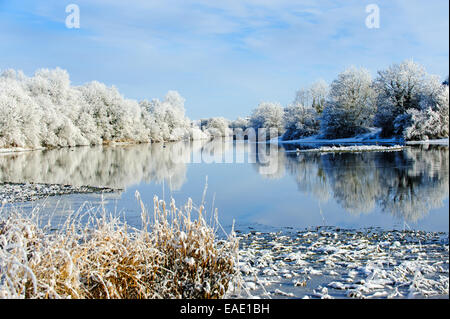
<point x="46" y="111"/>
<point x="402" y="101"/>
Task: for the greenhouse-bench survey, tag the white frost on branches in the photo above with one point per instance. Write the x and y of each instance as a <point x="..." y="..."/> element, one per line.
<point x="429" y="122"/>
<point x="268" y="115"/>
<point x="314" y="96"/>
<point x="351" y="104"/>
<point x="300" y="121"/>
<point x="45" y="110"/>
<point x="411" y="103"/>
<point x="216" y="127"/>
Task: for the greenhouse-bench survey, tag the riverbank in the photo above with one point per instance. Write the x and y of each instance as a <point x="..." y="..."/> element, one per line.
<point x="314" y="263"/>
<point x="314" y="141"/>
<point x="349" y="149"/>
<point x="24" y="192"/>
<point x="371" y="138"/>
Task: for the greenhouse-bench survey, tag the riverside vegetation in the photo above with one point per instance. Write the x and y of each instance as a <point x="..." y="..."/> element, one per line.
<point x="95" y="255"/>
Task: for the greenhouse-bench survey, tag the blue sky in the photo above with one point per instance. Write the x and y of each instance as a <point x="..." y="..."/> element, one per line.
<point x="223" y="56"/>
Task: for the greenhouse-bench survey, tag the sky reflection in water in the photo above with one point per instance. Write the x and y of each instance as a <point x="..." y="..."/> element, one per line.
<point x="404" y="189"/>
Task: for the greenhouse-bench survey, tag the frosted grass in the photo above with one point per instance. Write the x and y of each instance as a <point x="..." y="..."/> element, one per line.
<point x="95" y="255"/>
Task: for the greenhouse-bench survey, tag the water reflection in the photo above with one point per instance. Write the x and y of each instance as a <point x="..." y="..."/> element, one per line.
<point x="117" y="167"/>
<point x="406" y="184"/>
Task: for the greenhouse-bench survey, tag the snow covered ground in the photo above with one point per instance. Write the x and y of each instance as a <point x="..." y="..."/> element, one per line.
<point x="442" y="141"/>
<point x="355" y="149"/>
<point x="17" y="149"/>
<point x="329" y="262"/>
<point x="364" y="142"/>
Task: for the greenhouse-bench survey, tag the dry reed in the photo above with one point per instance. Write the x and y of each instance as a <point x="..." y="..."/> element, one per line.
<point x="171" y="256"/>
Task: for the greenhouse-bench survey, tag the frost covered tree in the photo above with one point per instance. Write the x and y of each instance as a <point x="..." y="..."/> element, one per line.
<point x="319" y="93"/>
<point x="350" y="107"/>
<point x="114" y="116"/>
<point x="19" y="113"/>
<point x="240" y="123"/>
<point x="314" y="96"/>
<point x="301" y="118"/>
<point x="217" y="126"/>
<point x="45" y="110"/>
<point x="300" y="121"/>
<point x="403" y="88"/>
<point x="166" y="120"/>
<point x="303" y="97"/>
<point x="429" y="122"/>
<point x="268" y="115"/>
<point x="55" y="108"/>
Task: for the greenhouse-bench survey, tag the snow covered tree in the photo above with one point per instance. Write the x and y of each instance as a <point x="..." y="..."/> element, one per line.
<point x="268" y="115"/>
<point x="46" y="110"/>
<point x="19" y="114"/>
<point x="106" y="106"/>
<point x="300" y="121"/>
<point x="429" y="122"/>
<point x="166" y="120"/>
<point x="350" y="107"/>
<point x="217" y="126"/>
<point x="314" y="96"/>
<point x="319" y="93"/>
<point x="400" y="88"/>
<point x="303" y="97"/>
<point x="408" y="101"/>
<point x="240" y="123"/>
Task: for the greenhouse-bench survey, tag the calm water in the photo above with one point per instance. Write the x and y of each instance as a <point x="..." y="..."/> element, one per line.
<point x="256" y="187"/>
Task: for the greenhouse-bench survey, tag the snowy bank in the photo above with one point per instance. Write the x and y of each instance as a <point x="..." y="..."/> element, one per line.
<point x="370" y="138"/>
<point x="22" y="192"/>
<point x="18" y="149"/>
<point x="373" y="137"/>
<point x="354" y="149"/>
<point x="442" y="141"/>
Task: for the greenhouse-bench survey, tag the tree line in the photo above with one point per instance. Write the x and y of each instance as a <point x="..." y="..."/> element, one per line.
<point x="403" y="101"/>
<point x="45" y="110"/>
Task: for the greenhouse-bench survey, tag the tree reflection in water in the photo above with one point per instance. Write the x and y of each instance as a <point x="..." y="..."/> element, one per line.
<point x="406" y="184"/>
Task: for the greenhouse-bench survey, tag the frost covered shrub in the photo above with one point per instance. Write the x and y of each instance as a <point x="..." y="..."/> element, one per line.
<point x="400" y="87"/>
<point x="268" y="115"/>
<point x="429" y="122"/>
<point x="300" y="121"/>
<point x="165" y="119"/>
<point x="217" y="126"/>
<point x="115" y="118"/>
<point x="351" y="105"/>
<point x="46" y="111"/>
<point x="408" y="98"/>
<point x="240" y="123"/>
<point x="173" y="255"/>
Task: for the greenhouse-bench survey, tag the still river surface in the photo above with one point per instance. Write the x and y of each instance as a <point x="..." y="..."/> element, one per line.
<point x="255" y="186"/>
